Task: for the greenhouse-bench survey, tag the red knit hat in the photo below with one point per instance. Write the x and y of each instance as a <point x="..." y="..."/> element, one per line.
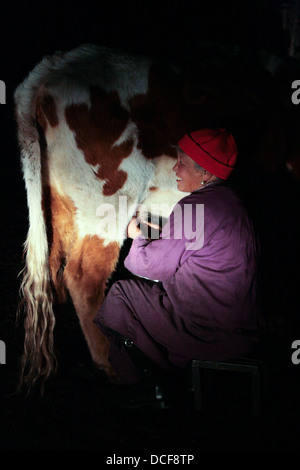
<point x="213" y="149"/>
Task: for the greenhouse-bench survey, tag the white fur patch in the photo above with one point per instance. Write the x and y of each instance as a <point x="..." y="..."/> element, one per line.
<point x="67" y="77"/>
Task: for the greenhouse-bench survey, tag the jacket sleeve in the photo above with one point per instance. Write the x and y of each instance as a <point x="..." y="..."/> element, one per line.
<point x="157" y="259"/>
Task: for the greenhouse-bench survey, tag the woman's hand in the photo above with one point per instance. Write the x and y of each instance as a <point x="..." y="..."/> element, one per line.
<point x="132" y="230"/>
<point x="150" y="224"/>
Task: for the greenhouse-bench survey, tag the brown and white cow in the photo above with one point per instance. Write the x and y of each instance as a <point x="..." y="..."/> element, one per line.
<point x="96" y="126"/>
<point x="92" y="126"/>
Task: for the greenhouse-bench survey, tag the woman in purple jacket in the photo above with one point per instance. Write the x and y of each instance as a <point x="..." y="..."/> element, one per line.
<point x="205" y="303"/>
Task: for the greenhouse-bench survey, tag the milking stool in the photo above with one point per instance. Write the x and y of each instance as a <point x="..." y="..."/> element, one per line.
<point x="244" y="365"/>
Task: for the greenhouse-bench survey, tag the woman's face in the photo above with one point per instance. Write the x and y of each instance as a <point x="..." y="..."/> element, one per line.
<point x="189" y="179"/>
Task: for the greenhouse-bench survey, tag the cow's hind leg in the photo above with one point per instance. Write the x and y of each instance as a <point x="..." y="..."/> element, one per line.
<point x="86" y="273"/>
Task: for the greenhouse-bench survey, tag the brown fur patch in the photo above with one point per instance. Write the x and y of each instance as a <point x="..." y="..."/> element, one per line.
<point x="59" y="211"/>
<point x="159" y="114"/>
<point x="89" y="267"/>
<point x="46" y="111"/>
<point x="86" y="274"/>
<point x="96" y="130"/>
<point x="81" y="266"/>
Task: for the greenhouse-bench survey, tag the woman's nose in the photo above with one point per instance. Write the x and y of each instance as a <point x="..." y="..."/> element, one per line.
<point x="175" y="167"/>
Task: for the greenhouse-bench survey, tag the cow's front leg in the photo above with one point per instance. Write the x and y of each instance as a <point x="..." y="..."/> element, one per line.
<point x="86" y="273"/>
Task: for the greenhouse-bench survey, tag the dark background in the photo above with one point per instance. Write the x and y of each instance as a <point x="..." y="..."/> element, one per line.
<point x="77" y="411"/>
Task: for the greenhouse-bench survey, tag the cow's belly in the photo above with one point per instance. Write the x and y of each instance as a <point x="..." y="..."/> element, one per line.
<point x="163" y="193"/>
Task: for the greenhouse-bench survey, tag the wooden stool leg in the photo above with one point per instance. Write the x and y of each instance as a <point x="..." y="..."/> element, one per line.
<point x="256" y="393"/>
<point x="197" y="388"/>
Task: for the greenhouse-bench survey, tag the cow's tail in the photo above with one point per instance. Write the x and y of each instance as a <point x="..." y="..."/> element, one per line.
<point x="36" y="298"/>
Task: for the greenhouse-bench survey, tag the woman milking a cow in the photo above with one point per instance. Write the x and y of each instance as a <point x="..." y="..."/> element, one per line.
<point x="205" y="303"/>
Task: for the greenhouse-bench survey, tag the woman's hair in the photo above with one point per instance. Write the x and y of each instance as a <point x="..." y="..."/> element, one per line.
<point x="197" y="166"/>
<point x="200" y="168"/>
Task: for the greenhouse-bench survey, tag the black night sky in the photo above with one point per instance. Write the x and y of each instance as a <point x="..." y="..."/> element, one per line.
<point x="172" y="28"/>
<point x="76" y="412"/>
